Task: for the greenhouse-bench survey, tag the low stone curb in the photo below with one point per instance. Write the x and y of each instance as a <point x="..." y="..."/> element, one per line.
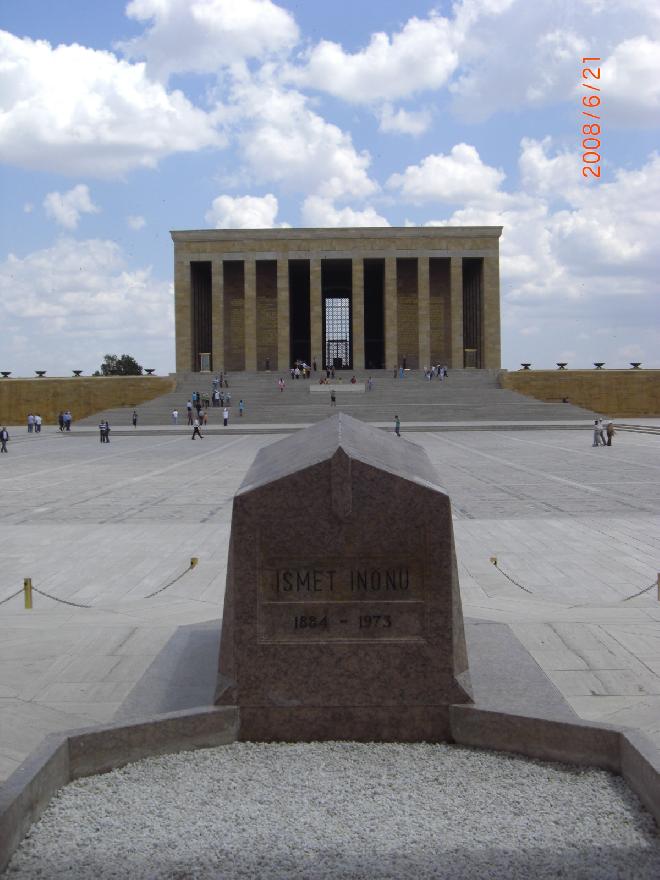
<point x="64" y="757"/>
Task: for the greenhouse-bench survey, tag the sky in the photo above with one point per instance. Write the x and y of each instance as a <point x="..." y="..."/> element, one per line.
<point x="122" y="121"/>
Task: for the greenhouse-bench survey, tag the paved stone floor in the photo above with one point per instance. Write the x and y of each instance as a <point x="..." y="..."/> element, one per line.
<point x="578" y="528"/>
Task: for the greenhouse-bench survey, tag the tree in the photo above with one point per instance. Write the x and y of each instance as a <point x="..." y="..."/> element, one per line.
<point x="119" y="365"/>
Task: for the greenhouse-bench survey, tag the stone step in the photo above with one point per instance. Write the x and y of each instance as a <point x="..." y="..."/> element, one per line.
<point x="466" y="396"/>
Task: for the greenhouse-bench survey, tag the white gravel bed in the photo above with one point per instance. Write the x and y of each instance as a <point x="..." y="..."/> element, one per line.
<point x="342" y="810"/>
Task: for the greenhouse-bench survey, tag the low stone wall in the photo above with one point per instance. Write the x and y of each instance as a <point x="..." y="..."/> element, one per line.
<point x="613" y="393"/>
<point x="83" y="395"/>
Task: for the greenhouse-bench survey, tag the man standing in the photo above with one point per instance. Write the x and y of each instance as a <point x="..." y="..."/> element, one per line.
<point x="60" y="420"/>
<point x="175" y="416"/>
<point x="4" y="437"/>
<point x="610" y="432"/>
<point x="189" y="409"/>
<point x="241" y="407"/>
<point x="101" y="431"/>
<point x="225" y="417"/>
<point x="37" y="423"/>
<point x="196" y="432"/>
<point x="135" y="418"/>
<point x="333" y="398"/>
<point x="397" y="426"/>
<point x="30" y="422"/>
<point x="597" y="438"/>
<point x="107" y="431"/>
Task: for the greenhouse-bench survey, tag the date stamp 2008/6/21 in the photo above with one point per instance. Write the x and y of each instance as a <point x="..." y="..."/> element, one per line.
<point x="591" y="131"/>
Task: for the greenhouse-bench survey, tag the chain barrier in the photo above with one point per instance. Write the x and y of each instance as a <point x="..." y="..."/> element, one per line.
<point x="641" y="592"/>
<point x="61" y="601"/>
<point x="509" y="578"/>
<point x="193" y="563"/>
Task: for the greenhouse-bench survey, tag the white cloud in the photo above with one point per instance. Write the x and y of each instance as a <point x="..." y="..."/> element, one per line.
<point x="456" y="177"/>
<point x="79" y="111"/>
<point x="243" y="212"/>
<point x="568" y="264"/>
<point x="321" y="212"/>
<point x="422" y="55"/>
<point x="75" y="301"/>
<point x="529" y="55"/>
<point x="136" y="221"/>
<point x="631" y="82"/>
<point x="206" y="35"/>
<point x="66" y="208"/>
<point x="402" y="121"/>
<point x="285" y="142"/>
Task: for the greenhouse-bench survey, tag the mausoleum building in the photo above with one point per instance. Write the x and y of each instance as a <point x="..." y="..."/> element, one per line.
<point x="364" y="298"/>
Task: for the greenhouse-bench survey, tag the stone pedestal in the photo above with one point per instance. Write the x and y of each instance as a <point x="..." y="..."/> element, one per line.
<point x="342" y="616"/>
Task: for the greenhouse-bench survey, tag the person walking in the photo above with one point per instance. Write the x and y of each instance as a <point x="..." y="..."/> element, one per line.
<point x="225" y="417"/>
<point x="196" y="432"/>
<point x="189" y="411"/>
<point x="397" y="426"/>
<point x="205" y="417"/>
<point x="30" y="423"/>
<point x="4" y="437"/>
<point x="135" y="418"/>
<point x="601" y="426"/>
<point x="107" y="431"/>
<point x="609" y="430"/>
<point x="101" y="431"/>
<point x="37" y="423"/>
<point x="333" y="398"/>
<point x="68" y="418"/>
<point x="60" y="420"/>
<point x="241" y="407"/>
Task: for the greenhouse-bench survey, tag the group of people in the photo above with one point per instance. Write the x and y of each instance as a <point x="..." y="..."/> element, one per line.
<point x="34" y="423"/>
<point x="439" y="371"/>
<point x="64" y="420"/>
<point x="300" y="368"/>
<point x="603" y="432"/>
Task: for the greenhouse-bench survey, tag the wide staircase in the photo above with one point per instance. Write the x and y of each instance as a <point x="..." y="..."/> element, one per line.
<point x="466" y="396"/>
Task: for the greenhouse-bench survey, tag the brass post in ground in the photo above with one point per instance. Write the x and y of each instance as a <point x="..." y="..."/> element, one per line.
<point x="27" y="592"/>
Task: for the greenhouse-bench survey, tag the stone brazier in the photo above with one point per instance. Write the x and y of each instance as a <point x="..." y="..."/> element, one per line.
<point x="342" y="614"/>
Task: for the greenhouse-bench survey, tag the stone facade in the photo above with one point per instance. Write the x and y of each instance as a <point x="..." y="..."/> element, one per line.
<point x="435" y="288"/>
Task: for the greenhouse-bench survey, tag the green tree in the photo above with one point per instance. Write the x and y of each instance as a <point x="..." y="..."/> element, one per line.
<point x="119" y="365"/>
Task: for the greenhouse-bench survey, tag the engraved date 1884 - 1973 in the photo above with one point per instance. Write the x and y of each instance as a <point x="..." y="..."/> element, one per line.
<point x="591" y="131"/>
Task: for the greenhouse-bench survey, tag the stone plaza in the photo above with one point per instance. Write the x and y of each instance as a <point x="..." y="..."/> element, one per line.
<point x="577" y="528"/>
<point x="125" y="628"/>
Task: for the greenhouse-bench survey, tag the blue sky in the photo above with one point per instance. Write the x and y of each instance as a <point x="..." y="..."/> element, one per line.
<point x="119" y="122"/>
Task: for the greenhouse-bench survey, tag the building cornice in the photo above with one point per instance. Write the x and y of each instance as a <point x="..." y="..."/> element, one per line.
<point x="359" y="232"/>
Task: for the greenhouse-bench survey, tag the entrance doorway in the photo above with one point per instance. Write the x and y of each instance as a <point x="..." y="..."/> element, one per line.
<point x="337" y="332"/>
<point x="337" y="287"/>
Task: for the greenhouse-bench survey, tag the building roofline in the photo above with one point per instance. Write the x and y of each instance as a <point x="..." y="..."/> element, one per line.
<point x="301" y="233"/>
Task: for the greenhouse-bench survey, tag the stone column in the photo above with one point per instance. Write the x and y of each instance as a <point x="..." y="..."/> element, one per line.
<point x="283" y="317"/>
<point x="316" y="312"/>
<point x="490" y="313"/>
<point x="357" y="329"/>
<point x="217" y="316"/>
<point x="423" y="312"/>
<point x="250" y="306"/>
<point x="390" y="293"/>
<point x="456" y="313"/>
<point x="183" y="313"/>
